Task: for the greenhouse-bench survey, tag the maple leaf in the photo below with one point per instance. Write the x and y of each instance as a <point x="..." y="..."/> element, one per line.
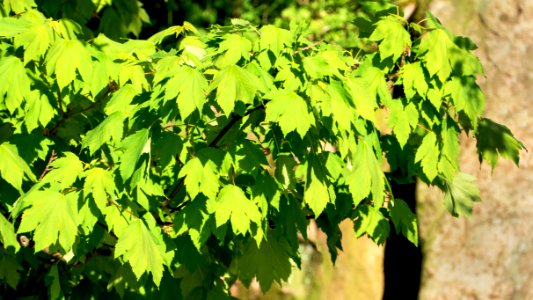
<point x="233" y="205"/>
<point x="234" y="83"/>
<point x="434" y="49"/>
<point x="134" y="146"/>
<point x="291" y="112"/>
<point x="428" y="155"/>
<point x="12" y="167"/>
<point x="14" y="82"/>
<point x="269" y="262"/>
<point x="402" y="120"/>
<point x="101" y="184"/>
<point x="275" y="39"/>
<point x="53" y="218"/>
<point x="140" y="248"/>
<point x="65" y="57"/>
<point x="188" y="86"/>
<point x="494" y="140"/>
<point x="404" y="220"/>
<point x="461" y="193"/>
<point x="200" y="178"/>
<point x="393" y="36"/>
<point x="110" y="129"/>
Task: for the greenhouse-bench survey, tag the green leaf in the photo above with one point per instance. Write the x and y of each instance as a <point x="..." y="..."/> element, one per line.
<point x="449" y="159"/>
<point x="200" y="178"/>
<point x="373" y="223"/>
<point x="234" y="47"/>
<point x="463" y="61"/>
<point x="38" y="110"/>
<point x="373" y="80"/>
<point x="54" y="284"/>
<point x="393" y="36"/>
<point x="188" y="86"/>
<point x="65" y="171"/>
<point x="8" y="238"/>
<point x="434" y="52"/>
<point x="10" y="27"/>
<point x="250" y="156"/>
<point x="234" y="84"/>
<point x="140" y="248"/>
<point x="134" y="73"/>
<point x="291" y="112"/>
<point x="364" y="100"/>
<point x="274" y="39"/>
<point x="134" y="145"/>
<point x="52" y="216"/>
<point x="317" y="67"/>
<point x="233" y="205"/>
<point x="101" y="184"/>
<point x="494" y="140"/>
<point x="65" y="57"/>
<point x="316" y="196"/>
<point x="402" y="120"/>
<point x="19" y="6"/>
<point x="268" y="263"/>
<point x="14" y="82"/>
<point x="121" y="101"/>
<point x="12" y="167"/>
<point x="461" y="193"/>
<point x="414" y="80"/>
<point x="404" y="220"/>
<point x="161" y="35"/>
<point x="428" y="155"/>
<point x="364" y="175"/>
<point x="110" y="129"/>
<point x="9" y="270"/>
<point x="434" y="96"/>
<point x="36" y="39"/>
<point x="467" y="97"/>
<point x="341" y="109"/>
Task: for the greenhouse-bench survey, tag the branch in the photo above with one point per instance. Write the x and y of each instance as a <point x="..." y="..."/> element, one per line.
<point x="47" y="167"/>
<point x="60" y="102"/>
<point x="309" y="47"/>
<point x="214" y="143"/>
<point x="65" y="115"/>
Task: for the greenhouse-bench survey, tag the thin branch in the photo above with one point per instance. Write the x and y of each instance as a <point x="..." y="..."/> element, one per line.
<point x="309" y="47"/>
<point x="65" y="116"/>
<point x="214" y="143"/>
<point x="47" y="168"/>
<point x="60" y="102"/>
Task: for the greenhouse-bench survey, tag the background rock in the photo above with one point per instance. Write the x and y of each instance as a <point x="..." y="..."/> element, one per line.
<point x="490" y="255"/>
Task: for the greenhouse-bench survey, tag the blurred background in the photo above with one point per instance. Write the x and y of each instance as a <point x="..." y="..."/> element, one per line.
<point x="488" y="256"/>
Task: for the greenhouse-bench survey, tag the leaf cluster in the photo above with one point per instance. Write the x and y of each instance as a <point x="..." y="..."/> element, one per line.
<point x="181" y="163"/>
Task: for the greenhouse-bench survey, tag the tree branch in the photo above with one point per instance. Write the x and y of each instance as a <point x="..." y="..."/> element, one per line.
<point x="65" y="115"/>
<point x="47" y="167"/>
<point x="214" y="143"/>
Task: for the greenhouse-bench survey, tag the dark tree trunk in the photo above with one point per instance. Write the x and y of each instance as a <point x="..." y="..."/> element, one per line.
<point x="403" y="260"/>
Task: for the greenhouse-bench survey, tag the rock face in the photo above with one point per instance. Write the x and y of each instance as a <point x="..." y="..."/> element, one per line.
<point x="490" y="255"/>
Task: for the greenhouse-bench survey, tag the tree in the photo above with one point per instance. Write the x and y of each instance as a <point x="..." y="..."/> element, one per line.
<point x="177" y="164"/>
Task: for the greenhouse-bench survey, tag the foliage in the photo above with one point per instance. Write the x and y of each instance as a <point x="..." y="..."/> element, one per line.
<point x="178" y="164"/>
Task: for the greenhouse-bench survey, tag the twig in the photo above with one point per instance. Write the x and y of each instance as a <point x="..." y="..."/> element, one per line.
<point x="309" y="47"/>
<point x="214" y="143"/>
<point x="47" y="168"/>
<point x="60" y="102"/>
<point x="65" y="116"/>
